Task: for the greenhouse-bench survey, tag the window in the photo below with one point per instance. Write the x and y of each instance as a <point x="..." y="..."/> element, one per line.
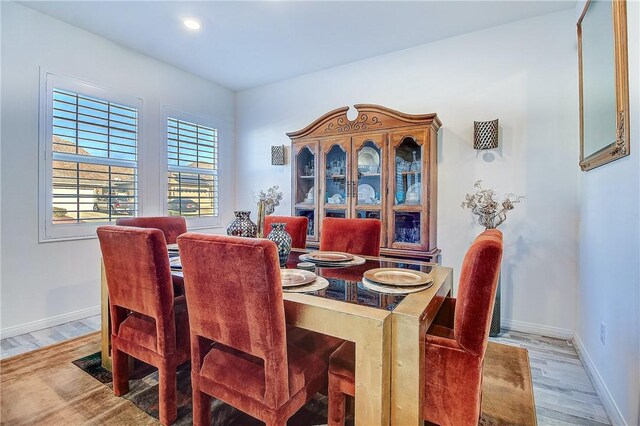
<point x="192" y="154"/>
<point x="91" y="158"/>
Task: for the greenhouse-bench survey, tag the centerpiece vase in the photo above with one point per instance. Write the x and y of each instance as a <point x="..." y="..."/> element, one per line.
<point x="282" y="239"/>
<point x="242" y="226"/>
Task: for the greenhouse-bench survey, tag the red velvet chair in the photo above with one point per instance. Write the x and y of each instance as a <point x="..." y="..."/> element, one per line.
<point x="171" y="227"/>
<point x="355" y="236"/>
<point x="455" y="345"/>
<point x="296" y="227"/>
<point x="147" y="322"/>
<point x="242" y="351"/>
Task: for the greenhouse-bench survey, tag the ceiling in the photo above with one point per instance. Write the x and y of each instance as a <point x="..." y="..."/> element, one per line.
<point x="243" y="44"/>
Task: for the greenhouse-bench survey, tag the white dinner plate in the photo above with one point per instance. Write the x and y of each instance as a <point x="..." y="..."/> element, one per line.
<point x="296" y="277"/>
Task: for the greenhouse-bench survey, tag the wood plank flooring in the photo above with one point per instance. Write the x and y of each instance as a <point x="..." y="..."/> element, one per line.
<point x="43" y="387"/>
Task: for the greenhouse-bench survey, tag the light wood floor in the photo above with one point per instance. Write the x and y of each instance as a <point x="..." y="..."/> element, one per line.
<point x="43" y="387"/>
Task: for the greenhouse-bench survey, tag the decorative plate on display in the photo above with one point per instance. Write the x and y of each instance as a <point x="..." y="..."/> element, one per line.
<point x="310" y="196"/>
<point x="296" y="277"/>
<point x="398" y="277"/>
<point x="319" y="284"/>
<point x="392" y="289"/>
<point x="366" y="193"/>
<point x="413" y="194"/>
<point x="327" y="256"/>
<point x="368" y="157"/>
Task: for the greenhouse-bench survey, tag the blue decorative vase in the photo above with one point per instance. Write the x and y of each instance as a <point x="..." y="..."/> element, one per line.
<point x="242" y="226"/>
<point x="282" y="239"/>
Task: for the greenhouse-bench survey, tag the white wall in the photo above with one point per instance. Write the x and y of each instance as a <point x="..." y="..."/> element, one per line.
<point x="523" y="73"/>
<point x="609" y="290"/>
<point x="47" y="283"/>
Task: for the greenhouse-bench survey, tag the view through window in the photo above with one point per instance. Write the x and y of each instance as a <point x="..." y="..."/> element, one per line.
<point x="193" y="169"/>
<point x="94" y="159"/>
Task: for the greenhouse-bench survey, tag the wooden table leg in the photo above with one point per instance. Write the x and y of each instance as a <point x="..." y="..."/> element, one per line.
<point x="373" y="390"/>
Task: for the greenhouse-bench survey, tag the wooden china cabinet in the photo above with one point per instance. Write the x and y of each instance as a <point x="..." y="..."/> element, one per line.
<point x="381" y="165"/>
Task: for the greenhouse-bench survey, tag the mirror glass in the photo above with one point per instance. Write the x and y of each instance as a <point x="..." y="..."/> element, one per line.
<point x="598" y="77"/>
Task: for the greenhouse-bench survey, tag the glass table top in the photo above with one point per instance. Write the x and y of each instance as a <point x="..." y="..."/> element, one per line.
<point x="345" y="283"/>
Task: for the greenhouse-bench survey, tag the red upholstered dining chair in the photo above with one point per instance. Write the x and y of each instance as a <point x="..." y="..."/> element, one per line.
<point x="355" y="236"/>
<point x="296" y="226"/>
<point x="171" y="227"/>
<point x="147" y="322"/>
<point x="242" y="351"/>
<point x="455" y="345"/>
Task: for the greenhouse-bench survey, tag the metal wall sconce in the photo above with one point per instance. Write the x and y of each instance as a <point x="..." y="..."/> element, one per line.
<point x="485" y="134"/>
<point x="277" y="155"/>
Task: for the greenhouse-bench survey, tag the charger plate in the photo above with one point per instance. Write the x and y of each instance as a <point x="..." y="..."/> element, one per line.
<point x="296" y="277"/>
<point x="319" y="284"/>
<point x="388" y="289"/>
<point x="398" y="277"/>
<point x="327" y="257"/>
<point x="357" y="260"/>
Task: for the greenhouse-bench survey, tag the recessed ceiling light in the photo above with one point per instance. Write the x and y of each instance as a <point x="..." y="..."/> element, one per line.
<point x="192" y="24"/>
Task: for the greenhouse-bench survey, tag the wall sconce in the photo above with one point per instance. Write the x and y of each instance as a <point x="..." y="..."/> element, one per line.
<point x="277" y="155"/>
<point x="485" y="134"/>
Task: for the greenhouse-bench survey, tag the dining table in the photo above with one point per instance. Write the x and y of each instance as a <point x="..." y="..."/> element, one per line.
<point x="387" y="329"/>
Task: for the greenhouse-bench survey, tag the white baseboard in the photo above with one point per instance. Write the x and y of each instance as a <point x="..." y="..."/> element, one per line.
<point x="542" y="330"/>
<point x="609" y="404"/>
<point x="48" y="322"/>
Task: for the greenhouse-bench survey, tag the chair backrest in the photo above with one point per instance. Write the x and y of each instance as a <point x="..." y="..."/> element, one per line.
<point x="138" y="276"/>
<point x="296" y="227"/>
<point x="477" y="291"/>
<point x="234" y="297"/>
<point x="355" y="236"/>
<point x="171" y="226"/>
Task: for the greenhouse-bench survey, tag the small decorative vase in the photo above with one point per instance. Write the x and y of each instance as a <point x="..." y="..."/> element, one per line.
<point x="242" y="226"/>
<point x="282" y="239"/>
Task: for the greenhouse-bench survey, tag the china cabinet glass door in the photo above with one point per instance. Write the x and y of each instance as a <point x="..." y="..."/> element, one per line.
<point x="369" y="173"/>
<point x="407" y="183"/>
<point x="336" y="172"/>
<point x="306" y="185"/>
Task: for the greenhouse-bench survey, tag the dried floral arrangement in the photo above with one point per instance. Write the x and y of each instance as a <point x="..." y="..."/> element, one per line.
<point x="271" y="198"/>
<point x="484" y="203"/>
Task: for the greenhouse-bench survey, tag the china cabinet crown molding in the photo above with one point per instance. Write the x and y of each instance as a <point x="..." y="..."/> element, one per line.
<point x="370" y="118"/>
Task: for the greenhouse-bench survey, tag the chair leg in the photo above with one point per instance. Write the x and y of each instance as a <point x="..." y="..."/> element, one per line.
<point x="336" y="413"/>
<point x="201" y="408"/>
<point x="120" y="372"/>
<point x="167" y="396"/>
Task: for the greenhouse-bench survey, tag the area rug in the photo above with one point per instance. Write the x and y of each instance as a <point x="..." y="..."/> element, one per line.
<point x="507" y="392"/>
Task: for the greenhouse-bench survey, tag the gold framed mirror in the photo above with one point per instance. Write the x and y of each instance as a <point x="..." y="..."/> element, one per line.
<point x="604" y="83"/>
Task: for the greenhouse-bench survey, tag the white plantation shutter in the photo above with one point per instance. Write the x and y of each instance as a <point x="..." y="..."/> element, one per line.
<point x="192" y="154"/>
<point x="94" y="159"/>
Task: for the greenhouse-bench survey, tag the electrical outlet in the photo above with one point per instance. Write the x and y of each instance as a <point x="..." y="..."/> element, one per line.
<point x="603" y="332"/>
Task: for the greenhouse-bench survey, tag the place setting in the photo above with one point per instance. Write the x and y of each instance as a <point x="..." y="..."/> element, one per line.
<point x="396" y="280"/>
<point x="301" y="281"/>
<point x="332" y="259"/>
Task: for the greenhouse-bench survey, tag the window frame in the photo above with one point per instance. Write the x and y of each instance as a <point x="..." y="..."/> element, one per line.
<point x="208" y="121"/>
<point x="49" y="81"/>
